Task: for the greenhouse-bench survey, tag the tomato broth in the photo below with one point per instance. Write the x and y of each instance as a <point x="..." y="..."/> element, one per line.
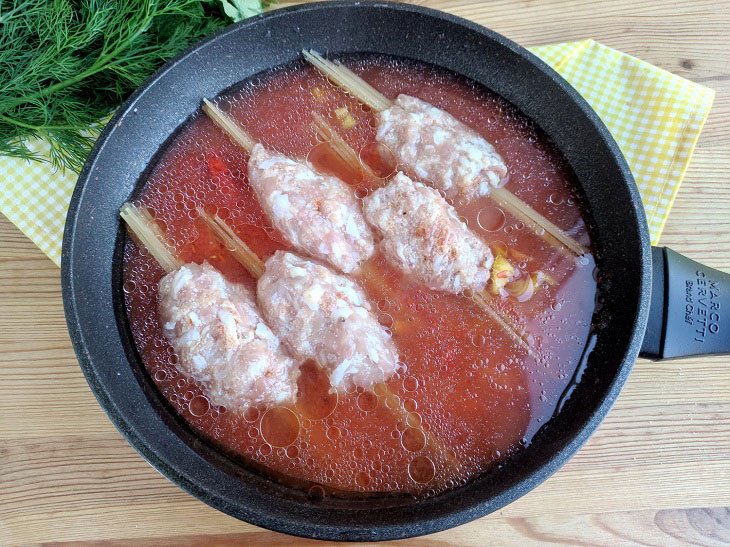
<point x="465" y="396"/>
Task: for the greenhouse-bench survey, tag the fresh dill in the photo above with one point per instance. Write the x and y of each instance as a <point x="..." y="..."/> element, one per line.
<point x="65" y="65"/>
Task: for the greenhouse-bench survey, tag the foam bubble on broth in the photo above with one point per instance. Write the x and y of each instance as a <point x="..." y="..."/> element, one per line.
<point x="461" y="381"/>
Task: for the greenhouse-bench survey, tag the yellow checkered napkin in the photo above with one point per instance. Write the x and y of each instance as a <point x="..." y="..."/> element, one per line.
<point x="655" y="117"/>
<point x="35" y="198"/>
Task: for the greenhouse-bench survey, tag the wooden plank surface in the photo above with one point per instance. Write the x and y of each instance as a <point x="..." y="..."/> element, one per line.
<point x="657" y="472"/>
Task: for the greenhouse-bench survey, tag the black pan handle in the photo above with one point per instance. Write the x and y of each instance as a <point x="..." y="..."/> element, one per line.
<point x="688" y="302"/>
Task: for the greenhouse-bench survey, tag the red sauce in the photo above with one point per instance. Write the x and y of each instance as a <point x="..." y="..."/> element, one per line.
<point x="466" y="397"/>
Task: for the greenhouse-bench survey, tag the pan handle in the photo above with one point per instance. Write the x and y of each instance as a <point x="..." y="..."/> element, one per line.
<point x="690" y="308"/>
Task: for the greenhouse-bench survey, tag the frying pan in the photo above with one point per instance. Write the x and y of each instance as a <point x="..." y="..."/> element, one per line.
<point x="652" y="301"/>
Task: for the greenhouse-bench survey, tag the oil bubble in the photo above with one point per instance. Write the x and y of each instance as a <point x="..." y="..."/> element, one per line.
<point x="410" y="405"/>
<point x="279" y="427"/>
<point x="210" y="209"/>
<point x="199" y="405"/>
<point x="557" y="199"/>
<point x="413" y="439"/>
<point x="410" y="383"/>
<point x="491" y="219"/>
<point x="251" y="414"/>
<point x="378" y="159"/>
<point x="362" y="479"/>
<point x="392" y="402"/>
<point x="333" y="433"/>
<point x="385" y="319"/>
<point x="367" y="401"/>
<point x="413" y="419"/>
<point x="421" y="469"/>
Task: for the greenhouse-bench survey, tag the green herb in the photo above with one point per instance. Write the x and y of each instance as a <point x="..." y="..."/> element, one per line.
<point x="238" y="10"/>
<point x="67" y="64"/>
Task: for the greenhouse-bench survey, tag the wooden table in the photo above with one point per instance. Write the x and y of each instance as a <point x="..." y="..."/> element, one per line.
<point x="657" y="472"/>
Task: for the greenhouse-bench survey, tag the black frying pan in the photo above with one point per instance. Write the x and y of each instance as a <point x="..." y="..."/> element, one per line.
<point x="678" y="299"/>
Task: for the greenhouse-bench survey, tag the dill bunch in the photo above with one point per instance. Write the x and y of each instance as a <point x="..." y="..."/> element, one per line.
<point x="67" y="64"/>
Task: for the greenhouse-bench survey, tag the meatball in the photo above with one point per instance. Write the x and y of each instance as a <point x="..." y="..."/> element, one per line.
<point x="222" y="341"/>
<point x="423" y="237"/>
<point x="439" y="149"/>
<point x="318" y="214"/>
<point x="324" y="316"/>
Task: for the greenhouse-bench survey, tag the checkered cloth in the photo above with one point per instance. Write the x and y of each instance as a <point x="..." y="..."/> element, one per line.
<point x="656" y="118"/>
